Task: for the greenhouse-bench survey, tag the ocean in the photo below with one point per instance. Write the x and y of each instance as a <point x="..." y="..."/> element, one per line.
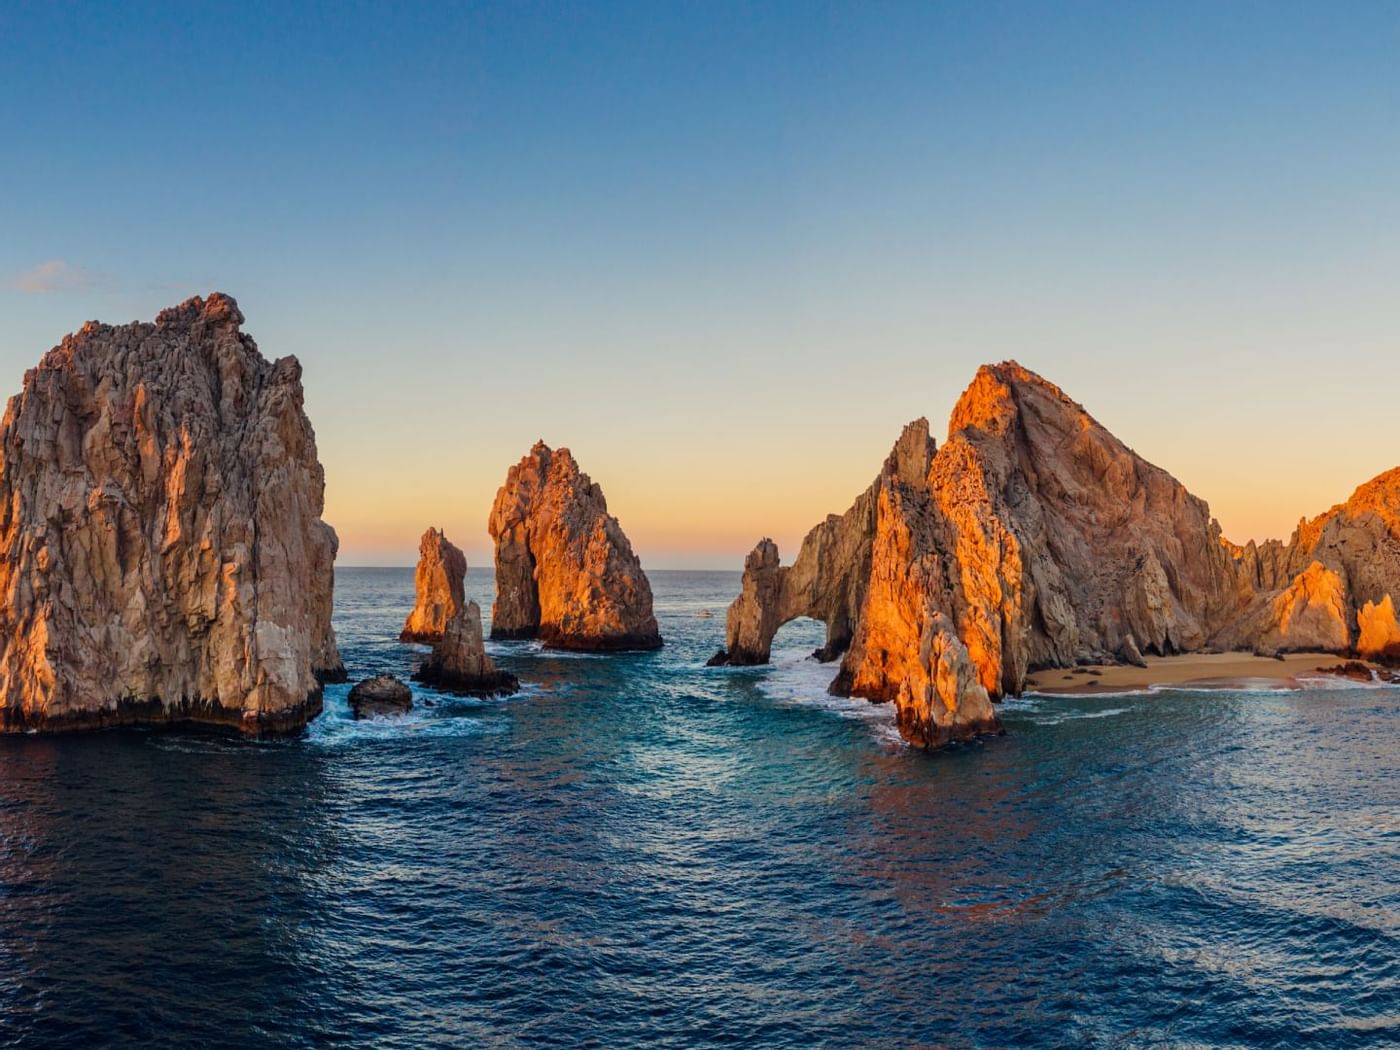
<point x="638" y="850"/>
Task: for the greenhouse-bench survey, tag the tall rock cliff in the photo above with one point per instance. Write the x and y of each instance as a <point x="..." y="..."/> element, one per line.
<point x="439" y="588"/>
<point x="162" y="553"/>
<point x="565" y="572"/>
<point x="1034" y="538"/>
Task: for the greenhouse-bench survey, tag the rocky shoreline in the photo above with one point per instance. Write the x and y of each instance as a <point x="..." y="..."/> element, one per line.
<point x="165" y="562"/>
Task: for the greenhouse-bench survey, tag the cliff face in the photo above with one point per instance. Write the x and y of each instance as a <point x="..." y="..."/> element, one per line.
<point x="565" y="572"/>
<point x="1034" y="538"/>
<point x="439" y="588"/>
<point x="162" y="554"/>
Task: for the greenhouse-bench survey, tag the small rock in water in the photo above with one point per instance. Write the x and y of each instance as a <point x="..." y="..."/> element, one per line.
<point x="1353" y="669"/>
<point x="381" y="695"/>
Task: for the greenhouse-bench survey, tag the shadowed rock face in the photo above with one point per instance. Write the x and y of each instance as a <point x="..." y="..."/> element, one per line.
<point x="162" y="553"/>
<point x="381" y="695"/>
<point x="439" y="588"/>
<point x="565" y="572"/>
<point x="1034" y="538"/>
<point x="459" y="662"/>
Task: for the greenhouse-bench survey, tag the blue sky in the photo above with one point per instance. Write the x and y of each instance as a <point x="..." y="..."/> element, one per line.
<point x="725" y="251"/>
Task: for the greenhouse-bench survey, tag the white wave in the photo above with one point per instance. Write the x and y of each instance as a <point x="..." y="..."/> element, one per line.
<point x="794" y="677"/>
<point x="1074" y="716"/>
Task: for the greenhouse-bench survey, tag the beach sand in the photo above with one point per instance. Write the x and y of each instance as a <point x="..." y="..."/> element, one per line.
<point x="1197" y="670"/>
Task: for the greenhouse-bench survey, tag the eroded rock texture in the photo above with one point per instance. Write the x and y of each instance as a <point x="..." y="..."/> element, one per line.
<point x="1034" y="538"/>
<point x="162" y="553"/>
<point x="443" y="618"/>
<point x="565" y="572"/>
<point x="381" y="695"/>
<point x="439" y="588"/>
<point x="459" y="662"/>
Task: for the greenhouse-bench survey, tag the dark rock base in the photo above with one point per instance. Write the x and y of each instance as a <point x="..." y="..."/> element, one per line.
<point x="498" y="684"/>
<point x="154" y="713"/>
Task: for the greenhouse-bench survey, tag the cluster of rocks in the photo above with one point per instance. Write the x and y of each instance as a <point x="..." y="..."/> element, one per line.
<point x="163" y="558"/>
<point x="1034" y="538"/>
<point x="443" y="618"/>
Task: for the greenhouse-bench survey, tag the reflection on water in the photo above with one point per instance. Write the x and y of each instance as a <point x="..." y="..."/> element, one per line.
<point x="639" y="850"/>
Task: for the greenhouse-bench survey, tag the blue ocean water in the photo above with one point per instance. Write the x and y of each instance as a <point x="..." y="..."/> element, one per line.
<point x="641" y="851"/>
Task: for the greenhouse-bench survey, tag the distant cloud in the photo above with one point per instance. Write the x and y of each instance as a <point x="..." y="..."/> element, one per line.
<point x="57" y="276"/>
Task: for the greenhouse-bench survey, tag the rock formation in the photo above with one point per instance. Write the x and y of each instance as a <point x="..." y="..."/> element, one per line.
<point x="381" y="695"/>
<point x="459" y="662"/>
<point x="439" y="588"/>
<point x="565" y="572"/>
<point x="1356" y="546"/>
<point x="443" y="618"/>
<point x="1033" y="538"/>
<point x="162" y="554"/>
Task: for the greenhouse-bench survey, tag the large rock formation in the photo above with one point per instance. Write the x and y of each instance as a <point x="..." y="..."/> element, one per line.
<point x="1034" y="538"/>
<point x="565" y="572"/>
<point x="162" y="553"/>
<point x="439" y="588"/>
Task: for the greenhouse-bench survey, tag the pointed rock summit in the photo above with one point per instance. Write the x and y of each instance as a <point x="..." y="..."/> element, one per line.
<point x="439" y="586"/>
<point x="1034" y="538"/>
<point x="565" y="572"/>
<point x="443" y="618"/>
<point x="162" y="554"/>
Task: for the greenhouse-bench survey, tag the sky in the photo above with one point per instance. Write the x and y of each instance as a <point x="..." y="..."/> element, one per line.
<point x="724" y="251"/>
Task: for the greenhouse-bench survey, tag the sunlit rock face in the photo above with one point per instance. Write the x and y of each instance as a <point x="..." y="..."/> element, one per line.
<point x="1034" y="538"/>
<point x="162" y="553"/>
<point x="439" y="588"/>
<point x="1357" y="544"/>
<point x="443" y="618"/>
<point x="565" y="572"/>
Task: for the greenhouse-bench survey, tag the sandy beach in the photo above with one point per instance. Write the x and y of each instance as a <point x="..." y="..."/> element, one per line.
<point x="1198" y="670"/>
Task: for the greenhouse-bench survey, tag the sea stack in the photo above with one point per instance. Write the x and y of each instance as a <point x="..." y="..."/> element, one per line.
<point x="439" y="588"/>
<point x="565" y="571"/>
<point x="1033" y="538"/>
<point x="459" y="663"/>
<point x="164" y="558"/>
<point x="444" y="618"/>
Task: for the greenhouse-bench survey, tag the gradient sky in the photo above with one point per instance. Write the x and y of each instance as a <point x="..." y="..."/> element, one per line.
<point x="725" y="251"/>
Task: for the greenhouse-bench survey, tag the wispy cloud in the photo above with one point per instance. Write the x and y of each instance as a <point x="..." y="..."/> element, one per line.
<point x="56" y="275"/>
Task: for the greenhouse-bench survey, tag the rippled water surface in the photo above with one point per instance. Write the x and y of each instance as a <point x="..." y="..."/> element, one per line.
<point x="641" y="851"/>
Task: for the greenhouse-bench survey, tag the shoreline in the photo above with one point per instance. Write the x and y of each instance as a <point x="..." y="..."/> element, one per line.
<point x="1190" y="670"/>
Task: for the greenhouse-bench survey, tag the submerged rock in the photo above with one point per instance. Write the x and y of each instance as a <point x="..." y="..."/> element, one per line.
<point x="565" y="571"/>
<point x="1033" y="538"/>
<point x="439" y="588"/>
<point x="381" y="695"/>
<point x="163" y="554"/>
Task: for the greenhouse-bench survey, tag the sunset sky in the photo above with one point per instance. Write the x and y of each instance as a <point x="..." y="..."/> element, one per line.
<point x="725" y="251"/>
